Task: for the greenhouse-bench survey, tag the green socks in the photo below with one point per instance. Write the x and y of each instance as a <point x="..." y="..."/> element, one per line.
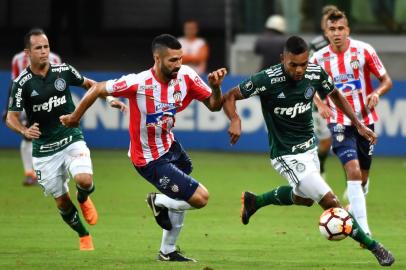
<point x="72" y="218"/>
<point x="280" y="196"/>
<point x="83" y="193"/>
<point x="360" y="236"/>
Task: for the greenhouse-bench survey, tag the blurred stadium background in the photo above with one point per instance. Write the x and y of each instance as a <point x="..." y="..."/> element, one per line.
<point x="105" y="39"/>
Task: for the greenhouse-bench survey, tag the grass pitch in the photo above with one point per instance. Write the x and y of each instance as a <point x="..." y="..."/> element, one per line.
<point x="33" y="235"/>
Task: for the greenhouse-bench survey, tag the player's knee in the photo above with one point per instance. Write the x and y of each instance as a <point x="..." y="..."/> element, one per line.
<point x="84" y="180"/>
<point x="201" y="199"/>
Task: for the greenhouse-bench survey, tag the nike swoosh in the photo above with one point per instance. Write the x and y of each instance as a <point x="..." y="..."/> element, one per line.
<point x="164" y="258"/>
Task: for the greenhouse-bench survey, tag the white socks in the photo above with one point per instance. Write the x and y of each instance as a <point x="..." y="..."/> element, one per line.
<point x="169" y="238"/>
<point x="171" y="204"/>
<point x="26" y="155"/>
<point x="356" y="198"/>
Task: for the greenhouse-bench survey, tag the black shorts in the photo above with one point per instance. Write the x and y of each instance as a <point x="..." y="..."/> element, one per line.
<point x="348" y="145"/>
<point x="170" y="173"/>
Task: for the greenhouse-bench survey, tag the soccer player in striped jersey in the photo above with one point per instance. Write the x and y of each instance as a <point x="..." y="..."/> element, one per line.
<point x="351" y="63"/>
<point x="156" y="95"/>
<point x="286" y="93"/>
<point x="19" y="62"/>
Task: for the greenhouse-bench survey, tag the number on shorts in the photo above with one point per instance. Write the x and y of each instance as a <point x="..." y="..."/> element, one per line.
<point x="38" y="173"/>
<point x="371" y="150"/>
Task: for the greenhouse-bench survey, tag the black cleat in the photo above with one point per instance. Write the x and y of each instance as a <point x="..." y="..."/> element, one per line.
<point x="247" y="206"/>
<point x="384" y="257"/>
<point x="160" y="213"/>
<point x="175" y="256"/>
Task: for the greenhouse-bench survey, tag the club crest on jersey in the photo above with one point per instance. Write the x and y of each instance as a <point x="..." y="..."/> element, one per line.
<point x="309" y="92"/>
<point x="177" y="96"/>
<point x="300" y="167"/>
<point x="60" y="84"/>
<point x="354" y="64"/>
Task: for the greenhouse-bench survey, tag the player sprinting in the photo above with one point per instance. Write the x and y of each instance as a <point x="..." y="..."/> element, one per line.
<point x="155" y="96"/>
<point x="350" y="63"/>
<point x="286" y="92"/>
<point x="42" y="91"/>
<point x="19" y="62"/>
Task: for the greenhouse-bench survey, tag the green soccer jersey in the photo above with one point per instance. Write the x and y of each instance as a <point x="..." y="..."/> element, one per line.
<point x="287" y="106"/>
<point x="44" y="99"/>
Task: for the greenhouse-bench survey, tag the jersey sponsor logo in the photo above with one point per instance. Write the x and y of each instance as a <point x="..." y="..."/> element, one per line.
<point x="312" y="76"/>
<point x="174" y="82"/>
<point x="60" y="69"/>
<point x="25" y="79"/>
<point x="278" y="79"/>
<point x="55" y="145"/>
<point x="60" y="84"/>
<point x="325" y="59"/>
<point x="148" y="87"/>
<point x="76" y="73"/>
<point x="53" y="102"/>
<point x="160" y="118"/>
<point x="299" y="108"/>
<point x="349" y="87"/>
<point x="165" y="106"/>
<point x="199" y="81"/>
<point x="18" y="97"/>
<point x="303" y="146"/>
<point x="119" y="86"/>
<point x="34" y="93"/>
<point x="343" y="78"/>
<point x="308" y="94"/>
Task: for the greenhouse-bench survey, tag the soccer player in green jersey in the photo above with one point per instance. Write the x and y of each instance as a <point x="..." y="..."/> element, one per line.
<point x="286" y="92"/>
<point x="42" y="90"/>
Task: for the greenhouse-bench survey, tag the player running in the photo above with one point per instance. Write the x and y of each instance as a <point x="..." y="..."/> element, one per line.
<point x="286" y="92"/>
<point x="156" y="95"/>
<point x="19" y="62"/>
<point x="350" y="63"/>
<point x="42" y="91"/>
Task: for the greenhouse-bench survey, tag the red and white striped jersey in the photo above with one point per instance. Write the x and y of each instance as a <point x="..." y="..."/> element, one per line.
<point x="351" y="71"/>
<point x="21" y="61"/>
<point x="153" y="106"/>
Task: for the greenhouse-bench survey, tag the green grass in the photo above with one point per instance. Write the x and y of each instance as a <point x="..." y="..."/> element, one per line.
<point x="33" y="236"/>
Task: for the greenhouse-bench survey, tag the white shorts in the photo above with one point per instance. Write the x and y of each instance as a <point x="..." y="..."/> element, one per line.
<point x="320" y="127"/>
<point x="303" y="174"/>
<point x="53" y="171"/>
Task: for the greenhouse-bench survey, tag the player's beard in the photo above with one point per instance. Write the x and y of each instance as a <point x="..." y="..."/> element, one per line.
<point x="170" y="74"/>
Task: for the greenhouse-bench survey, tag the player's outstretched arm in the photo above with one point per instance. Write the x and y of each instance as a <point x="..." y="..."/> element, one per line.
<point x="229" y="100"/>
<point x="341" y="102"/>
<point x="73" y="119"/>
<point x="215" y="78"/>
<point x="114" y="102"/>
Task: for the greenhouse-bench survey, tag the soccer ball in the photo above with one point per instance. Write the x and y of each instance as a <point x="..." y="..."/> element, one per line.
<point x="335" y="224"/>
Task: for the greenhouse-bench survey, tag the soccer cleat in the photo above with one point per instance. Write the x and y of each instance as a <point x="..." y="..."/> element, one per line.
<point x="174" y="256"/>
<point x="160" y="213"/>
<point x="247" y="206"/>
<point x="89" y="211"/>
<point x="384" y="257"/>
<point x="86" y="243"/>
